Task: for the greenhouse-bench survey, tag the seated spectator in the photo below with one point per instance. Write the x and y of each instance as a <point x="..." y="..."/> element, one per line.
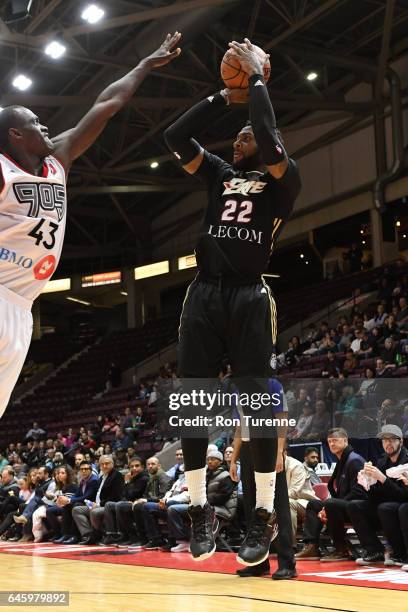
<point x="227" y="456"/>
<point x="311" y="461"/>
<point x="357" y="340"/>
<point x="9" y="492"/>
<point x="44" y="491"/>
<point x="174" y="508"/>
<point x="346" y="408"/>
<point x="300" y="490"/>
<point x="402" y="356"/>
<point x="221" y="490"/>
<point x="35" y="433"/>
<point x="175" y="471"/>
<point x="382" y="370"/>
<point x="319" y="424"/>
<point x="8" y="528"/>
<point x="64" y="486"/>
<point x="343" y="488"/>
<point x="402" y="316"/>
<point x="3" y="461"/>
<point x="390" y="328"/>
<point x="380" y="509"/>
<point x="345" y="338"/>
<point x="86" y="490"/>
<point x="380" y="316"/>
<point x="331" y="367"/>
<point x="121" y="441"/>
<point x="302" y="401"/>
<point x="118" y="515"/>
<point x="369" y="379"/>
<point x="157" y="486"/>
<point x="350" y="364"/>
<point x="389" y="352"/>
<point x="303" y="424"/>
<point x="89" y="518"/>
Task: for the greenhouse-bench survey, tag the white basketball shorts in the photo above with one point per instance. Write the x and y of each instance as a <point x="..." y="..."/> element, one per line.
<point x="16" y="328"/>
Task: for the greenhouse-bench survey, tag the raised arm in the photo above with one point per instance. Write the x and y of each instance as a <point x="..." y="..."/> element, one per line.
<point x="261" y="111"/>
<point x="71" y="144"/>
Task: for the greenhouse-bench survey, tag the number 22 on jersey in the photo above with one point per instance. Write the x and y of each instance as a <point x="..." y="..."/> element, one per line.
<point x="240" y="212"/>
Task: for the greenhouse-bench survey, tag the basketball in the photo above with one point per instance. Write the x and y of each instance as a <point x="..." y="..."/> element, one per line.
<point x="232" y="74"/>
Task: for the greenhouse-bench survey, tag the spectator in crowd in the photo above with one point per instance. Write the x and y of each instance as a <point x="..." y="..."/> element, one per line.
<point x="343" y="488"/>
<point x="346" y="409"/>
<point x="311" y="460"/>
<point x="35" y="433"/>
<point x="44" y="491"/>
<point x="175" y="471"/>
<point x="3" y="461"/>
<point x="300" y="489"/>
<point x="380" y="509"/>
<point x="157" y="486"/>
<point x="121" y="441"/>
<point x="221" y="490"/>
<point x="302" y="401"/>
<point x="9" y="492"/>
<point x="389" y="352"/>
<point x="65" y="487"/>
<point x="390" y="328"/>
<point x="227" y="456"/>
<point x="174" y="507"/>
<point x="319" y="424"/>
<point x="380" y="316"/>
<point x="87" y="489"/>
<point x="331" y="367"/>
<point x="350" y="364"/>
<point x="89" y="518"/>
<point x="118" y="515"/>
<point x="303" y="424"/>
<point x="346" y="338"/>
<point x="402" y="316"/>
<point x="369" y="379"/>
<point x="382" y="370"/>
<point x="8" y="528"/>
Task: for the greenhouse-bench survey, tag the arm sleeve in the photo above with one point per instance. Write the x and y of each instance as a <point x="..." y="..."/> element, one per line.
<point x="179" y="136"/>
<point x="264" y="122"/>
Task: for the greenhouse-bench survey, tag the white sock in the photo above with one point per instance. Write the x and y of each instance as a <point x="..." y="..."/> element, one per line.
<point x="265" y="490"/>
<point x="195" y="480"/>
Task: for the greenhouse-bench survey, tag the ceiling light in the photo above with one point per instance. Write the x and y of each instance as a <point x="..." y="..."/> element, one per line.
<point x="301" y="256"/>
<point x="306" y="262"/>
<point x="55" y="49"/>
<point x="398" y="224"/>
<point x="154" y="164"/>
<point x="312" y="76"/>
<point x="71" y="299"/>
<point x="404" y="235"/>
<point x="123" y="293"/>
<point x="22" y="82"/>
<point x="361" y="231"/>
<point x="92" y="13"/>
<point x="363" y="242"/>
<point x="1" y="108"/>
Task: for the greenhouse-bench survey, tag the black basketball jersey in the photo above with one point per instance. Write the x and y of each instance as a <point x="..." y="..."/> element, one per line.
<point x="245" y="214"/>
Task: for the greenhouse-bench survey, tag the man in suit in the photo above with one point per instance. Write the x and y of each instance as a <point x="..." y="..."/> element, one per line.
<point x="87" y="489"/>
<point x="89" y="518"/>
<point x="334" y="511"/>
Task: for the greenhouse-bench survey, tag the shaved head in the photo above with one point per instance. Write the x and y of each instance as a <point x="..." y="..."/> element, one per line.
<point x="11" y="117"/>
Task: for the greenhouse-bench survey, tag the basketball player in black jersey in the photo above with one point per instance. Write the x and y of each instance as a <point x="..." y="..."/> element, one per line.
<point x="228" y="307"/>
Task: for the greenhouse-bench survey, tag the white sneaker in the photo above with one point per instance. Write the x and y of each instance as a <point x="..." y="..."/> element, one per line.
<point x="181" y="547"/>
<point x="405" y="568"/>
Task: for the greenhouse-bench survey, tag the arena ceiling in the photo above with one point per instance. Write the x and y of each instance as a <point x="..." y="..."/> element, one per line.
<point x="114" y="193"/>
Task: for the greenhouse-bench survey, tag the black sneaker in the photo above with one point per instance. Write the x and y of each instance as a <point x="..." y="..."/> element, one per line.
<point x="262" y="530"/>
<point x="371" y="557"/>
<point x="109" y="540"/>
<point x="125" y="542"/>
<point x="154" y="544"/>
<point x="204" y="525"/>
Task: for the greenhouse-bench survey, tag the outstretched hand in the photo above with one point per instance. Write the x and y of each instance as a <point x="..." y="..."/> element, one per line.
<point x="166" y="52"/>
<point x="250" y="61"/>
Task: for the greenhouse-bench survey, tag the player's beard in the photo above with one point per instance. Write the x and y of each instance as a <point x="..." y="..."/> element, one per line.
<point x="248" y="164"/>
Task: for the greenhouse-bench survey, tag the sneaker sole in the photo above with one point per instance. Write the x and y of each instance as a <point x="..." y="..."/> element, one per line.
<point x="308" y="558"/>
<point x="362" y="562"/>
<point x="252" y="563"/>
<point x="323" y="560"/>
<point x="204" y="556"/>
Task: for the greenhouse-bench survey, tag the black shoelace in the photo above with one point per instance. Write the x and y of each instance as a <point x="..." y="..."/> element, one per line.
<point x="199" y="525"/>
<point x="256" y="531"/>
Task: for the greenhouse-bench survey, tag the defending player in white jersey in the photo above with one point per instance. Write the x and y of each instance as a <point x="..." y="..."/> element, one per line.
<point x="33" y="170"/>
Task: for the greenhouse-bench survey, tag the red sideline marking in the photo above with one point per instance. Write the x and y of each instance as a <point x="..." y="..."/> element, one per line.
<point x="343" y="573"/>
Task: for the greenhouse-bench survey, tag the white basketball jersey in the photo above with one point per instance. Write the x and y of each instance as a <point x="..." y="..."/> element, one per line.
<point x="32" y="225"/>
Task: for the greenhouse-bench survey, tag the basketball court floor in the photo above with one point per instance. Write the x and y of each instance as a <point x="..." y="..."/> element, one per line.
<point x="101" y="578"/>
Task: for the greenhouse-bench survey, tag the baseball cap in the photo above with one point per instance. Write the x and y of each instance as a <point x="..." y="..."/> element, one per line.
<point x="215" y="454"/>
<point x="390" y="430"/>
